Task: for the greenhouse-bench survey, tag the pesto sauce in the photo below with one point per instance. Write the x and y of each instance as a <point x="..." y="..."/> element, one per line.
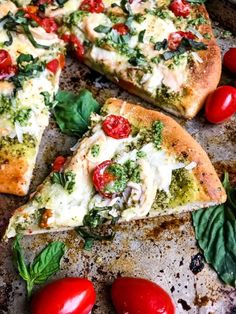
<point x="11" y="146"/>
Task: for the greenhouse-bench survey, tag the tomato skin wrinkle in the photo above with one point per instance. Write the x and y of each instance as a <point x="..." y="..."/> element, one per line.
<point x="65" y="296"/>
<point x="140" y="296"/>
<point x="116" y="127"/>
<point x="229" y="60"/>
<point x="180" y="8"/>
<point x="221" y="104"/>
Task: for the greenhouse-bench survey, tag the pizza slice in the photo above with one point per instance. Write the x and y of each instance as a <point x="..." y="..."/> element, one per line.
<point x="163" y="51"/>
<point x="133" y="163"/>
<point x="31" y="59"/>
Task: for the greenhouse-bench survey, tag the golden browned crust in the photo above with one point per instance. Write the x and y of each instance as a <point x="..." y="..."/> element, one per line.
<point x="202" y="78"/>
<point x="14" y="175"/>
<point x="178" y="141"/>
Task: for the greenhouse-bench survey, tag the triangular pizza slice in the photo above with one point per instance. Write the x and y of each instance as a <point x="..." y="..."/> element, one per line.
<point x="133" y="163"/>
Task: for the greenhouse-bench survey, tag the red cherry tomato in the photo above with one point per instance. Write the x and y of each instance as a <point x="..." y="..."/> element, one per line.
<point x="49" y="24"/>
<point x="65" y="296"/>
<point x="221" y="104"/>
<point x="229" y="60"/>
<point x="180" y="8"/>
<point x="58" y="163"/>
<point x="121" y="28"/>
<point x="102" y="177"/>
<point x="5" y="59"/>
<point x="175" y="38"/>
<point x="62" y="60"/>
<point x="53" y="66"/>
<point x="116" y="126"/>
<point x="8" y="72"/>
<point x="140" y="296"/>
<point x="93" y="6"/>
<point x="66" y="37"/>
<point x="77" y="45"/>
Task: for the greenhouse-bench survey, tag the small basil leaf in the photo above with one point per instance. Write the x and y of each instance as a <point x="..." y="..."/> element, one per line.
<point x="102" y="29"/>
<point x="19" y="260"/>
<point x="215" y="230"/>
<point x="72" y="111"/>
<point x="47" y="263"/>
<point x="141" y="36"/>
<point x="161" y="45"/>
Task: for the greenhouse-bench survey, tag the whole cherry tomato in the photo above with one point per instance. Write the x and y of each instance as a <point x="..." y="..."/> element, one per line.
<point x="180" y="8"/>
<point x="229" y="60"/>
<point x="93" y="6"/>
<point x="221" y="104"/>
<point x="58" y="163"/>
<point x="102" y="177"/>
<point x="140" y="296"/>
<point x="5" y="59"/>
<point x="121" y="28"/>
<point x="175" y="38"/>
<point x="116" y="126"/>
<point x="65" y="296"/>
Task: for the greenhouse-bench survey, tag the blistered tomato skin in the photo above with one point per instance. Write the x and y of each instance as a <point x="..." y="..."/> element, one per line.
<point x="140" y="296"/>
<point x="65" y="296"/>
<point x="221" y="104"/>
<point x="180" y="8"/>
<point x="116" y="126"/>
<point x="229" y="60"/>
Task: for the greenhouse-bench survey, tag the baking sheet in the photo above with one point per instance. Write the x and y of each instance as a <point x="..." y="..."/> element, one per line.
<point x="157" y="249"/>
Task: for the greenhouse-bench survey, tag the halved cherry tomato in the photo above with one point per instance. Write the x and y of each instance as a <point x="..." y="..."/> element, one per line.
<point x="229" y="60"/>
<point x="5" y="59"/>
<point x="175" y="38"/>
<point x="53" y="66"/>
<point x="180" y="8"/>
<point x="93" y="6"/>
<point x="66" y="37"/>
<point x="49" y="24"/>
<point x="121" y="28"/>
<point x="65" y="296"/>
<point x="221" y="104"/>
<point x="140" y="296"/>
<point x="8" y="72"/>
<point x="77" y="45"/>
<point x="102" y="177"/>
<point x="58" y="163"/>
<point x="116" y="126"/>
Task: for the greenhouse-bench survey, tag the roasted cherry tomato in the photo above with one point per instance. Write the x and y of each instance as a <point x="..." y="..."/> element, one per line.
<point x="116" y="126"/>
<point x="102" y="177"/>
<point x="65" y="296"/>
<point x="121" y="28"/>
<point x="8" y="72"/>
<point x="140" y="296"/>
<point x="49" y="24"/>
<point x="229" y="60"/>
<point x="77" y="45"/>
<point x="53" y="66"/>
<point x="221" y="104"/>
<point x="93" y="6"/>
<point x="58" y="163"/>
<point x="5" y="59"/>
<point x="175" y="38"/>
<point x="180" y="8"/>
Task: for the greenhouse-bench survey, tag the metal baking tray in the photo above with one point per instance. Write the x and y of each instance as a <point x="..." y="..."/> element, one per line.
<point x="157" y="249"/>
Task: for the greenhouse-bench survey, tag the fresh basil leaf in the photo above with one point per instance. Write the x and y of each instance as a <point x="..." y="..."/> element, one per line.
<point x="65" y="179"/>
<point x="47" y="262"/>
<point x="141" y="36"/>
<point x="19" y="259"/>
<point x="161" y="45"/>
<point x="31" y="38"/>
<point x="215" y="230"/>
<point x="44" y="265"/>
<point x="10" y="39"/>
<point x="72" y="113"/>
<point x="102" y="29"/>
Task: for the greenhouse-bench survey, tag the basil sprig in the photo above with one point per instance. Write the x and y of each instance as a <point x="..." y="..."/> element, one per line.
<point x="215" y="230"/>
<point x="44" y="265"/>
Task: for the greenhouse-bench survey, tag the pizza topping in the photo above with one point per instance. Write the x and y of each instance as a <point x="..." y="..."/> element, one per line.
<point x="58" y="163"/>
<point x="93" y="6"/>
<point x="53" y="66"/>
<point x="7" y="70"/>
<point x="75" y="43"/>
<point x="65" y="179"/>
<point x="110" y="178"/>
<point x="180" y="8"/>
<point x="116" y="126"/>
<point x="174" y="39"/>
<point x="48" y="23"/>
<point x="121" y="28"/>
<point x="44" y="221"/>
<point x="95" y="150"/>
